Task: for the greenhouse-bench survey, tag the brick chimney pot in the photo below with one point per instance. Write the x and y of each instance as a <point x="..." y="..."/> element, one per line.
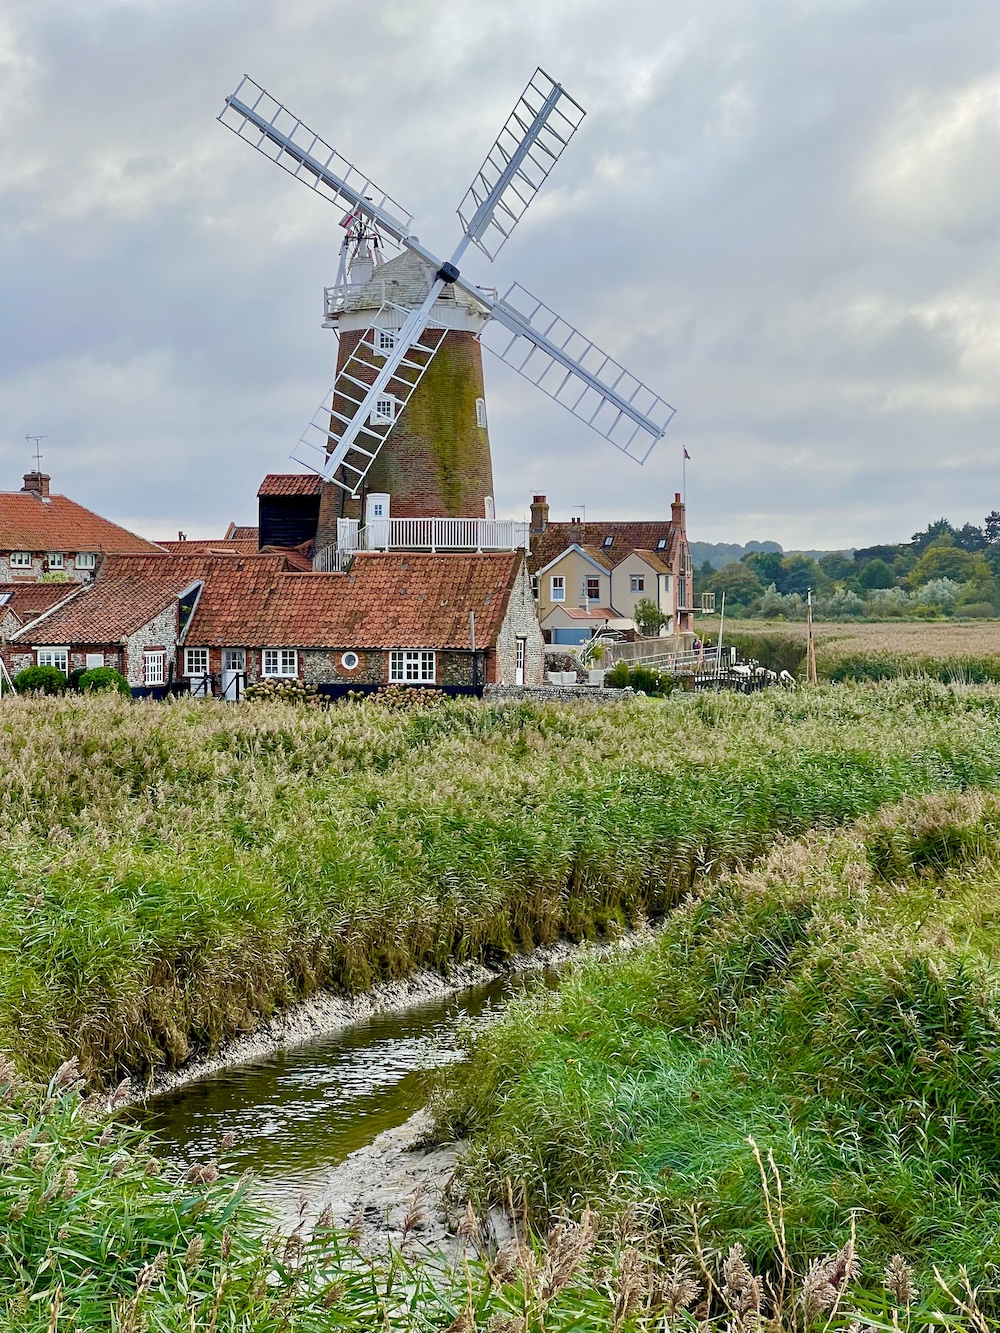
<point x="37" y="483"/>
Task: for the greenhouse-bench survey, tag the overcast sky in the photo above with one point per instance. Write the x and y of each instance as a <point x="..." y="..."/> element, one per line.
<point x="782" y="214"/>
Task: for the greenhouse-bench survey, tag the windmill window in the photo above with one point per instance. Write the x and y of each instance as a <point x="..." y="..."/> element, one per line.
<point x="409" y="668"/>
<point x="558" y="588"/>
<point x="608" y="541"/>
<point x="20" y="559"/>
<point x="280" y="662"/>
<point x="384" y="410"/>
<point x="386" y="339"/>
<point x="661" y="545"/>
<point x="481" y="413"/>
<point x="636" y="583"/>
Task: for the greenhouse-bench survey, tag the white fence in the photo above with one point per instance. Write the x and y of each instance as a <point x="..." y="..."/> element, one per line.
<point x="422" y="534"/>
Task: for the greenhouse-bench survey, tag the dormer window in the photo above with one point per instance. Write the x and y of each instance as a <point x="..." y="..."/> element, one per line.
<point x="20" y="559"/>
<point x="608" y="541"/>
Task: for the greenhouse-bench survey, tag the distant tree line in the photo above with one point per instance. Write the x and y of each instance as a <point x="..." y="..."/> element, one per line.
<point x="941" y="571"/>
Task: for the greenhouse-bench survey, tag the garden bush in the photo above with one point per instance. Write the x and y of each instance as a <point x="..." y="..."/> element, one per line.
<point x="40" y="680"/>
<point x="103" y="678"/>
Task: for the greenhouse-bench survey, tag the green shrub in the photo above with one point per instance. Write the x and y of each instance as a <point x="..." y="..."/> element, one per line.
<point x="638" y="677"/>
<point x="104" y="678"/>
<point x="846" y="667"/>
<point x="40" y="680"/>
<point x="73" y="682"/>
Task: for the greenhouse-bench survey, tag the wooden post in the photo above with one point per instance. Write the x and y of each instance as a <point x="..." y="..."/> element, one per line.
<point x="810" y="643"/>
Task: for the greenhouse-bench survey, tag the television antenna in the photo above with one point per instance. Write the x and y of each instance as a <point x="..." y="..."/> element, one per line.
<point x="36" y="440"/>
<point x="378" y="379"/>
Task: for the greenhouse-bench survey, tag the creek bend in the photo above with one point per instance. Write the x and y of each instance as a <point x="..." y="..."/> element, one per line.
<point x="300" y="1111"/>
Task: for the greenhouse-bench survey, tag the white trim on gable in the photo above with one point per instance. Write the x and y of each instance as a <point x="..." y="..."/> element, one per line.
<point x="580" y="551"/>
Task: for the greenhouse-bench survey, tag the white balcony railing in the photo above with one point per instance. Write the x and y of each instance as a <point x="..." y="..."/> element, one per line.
<point x="422" y="534"/>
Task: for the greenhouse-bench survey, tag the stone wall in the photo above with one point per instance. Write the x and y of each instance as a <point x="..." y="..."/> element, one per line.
<point x="519" y="622"/>
<point x="160" y="632"/>
<point x="9" y="574"/>
<point x="556" y="693"/>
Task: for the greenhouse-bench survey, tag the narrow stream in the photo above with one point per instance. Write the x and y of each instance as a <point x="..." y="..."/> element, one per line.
<point x="298" y="1113"/>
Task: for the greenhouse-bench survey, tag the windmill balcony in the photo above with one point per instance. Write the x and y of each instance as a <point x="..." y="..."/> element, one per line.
<point x="422" y="534"/>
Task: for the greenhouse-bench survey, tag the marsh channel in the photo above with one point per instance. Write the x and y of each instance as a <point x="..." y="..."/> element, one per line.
<point x="298" y="1113"/>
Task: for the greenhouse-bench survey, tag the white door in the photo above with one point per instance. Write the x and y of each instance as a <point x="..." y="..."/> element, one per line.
<point x="522" y="647"/>
<point x="234" y="665"/>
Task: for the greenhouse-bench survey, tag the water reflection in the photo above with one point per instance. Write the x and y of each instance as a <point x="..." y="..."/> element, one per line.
<point x="299" y="1112"/>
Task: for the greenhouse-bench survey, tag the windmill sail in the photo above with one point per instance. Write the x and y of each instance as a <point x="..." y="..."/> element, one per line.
<point x="254" y="115"/>
<point x="517" y="166"/>
<point x="525" y="334"/>
<point x="368" y="397"/>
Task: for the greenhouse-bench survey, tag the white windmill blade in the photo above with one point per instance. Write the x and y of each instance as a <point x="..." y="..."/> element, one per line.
<point x="369" y="395"/>
<point x="254" y="115"/>
<point x="517" y="166"/>
<point x="524" y="333"/>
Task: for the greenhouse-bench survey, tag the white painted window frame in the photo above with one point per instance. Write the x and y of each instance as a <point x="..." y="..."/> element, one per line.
<point x="557" y="588"/>
<point x="279" y="663"/>
<point x="199" y="655"/>
<point x="412" y="666"/>
<point x="384" y="411"/>
<point x="55" y="559"/>
<point x="42" y="654"/>
<point x="158" y="658"/>
<point x="86" y="559"/>
<point x="481" y="413"/>
<point x="20" y="559"/>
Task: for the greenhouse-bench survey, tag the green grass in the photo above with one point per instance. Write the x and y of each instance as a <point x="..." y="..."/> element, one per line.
<point x="838" y="1005"/>
<point x="174" y="873"/>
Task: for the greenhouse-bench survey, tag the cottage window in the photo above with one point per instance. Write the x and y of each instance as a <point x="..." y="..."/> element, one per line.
<point x="349" y="661"/>
<point x="534" y="586"/>
<point x="636" y="583"/>
<point x="86" y="560"/>
<point x="558" y="588"/>
<point x="593" y="590"/>
<point x="54" y="559"/>
<point x="20" y="559"/>
<point x="92" y="661"/>
<point x="384" y="411"/>
<point x="406" y="668"/>
<point x="481" y="413"/>
<point x="54" y="657"/>
<point x="196" y="661"/>
<point x="280" y="662"/>
<point x="154" y="666"/>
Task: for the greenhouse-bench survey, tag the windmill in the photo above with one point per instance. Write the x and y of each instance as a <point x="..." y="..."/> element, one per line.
<point x="387" y="362"/>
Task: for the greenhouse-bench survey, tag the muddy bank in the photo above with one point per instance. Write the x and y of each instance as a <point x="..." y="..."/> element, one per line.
<point x="330" y="1012"/>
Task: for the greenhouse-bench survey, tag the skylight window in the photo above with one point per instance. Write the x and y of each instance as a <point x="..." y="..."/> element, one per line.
<point x="661" y="545"/>
<point x="608" y="541"/>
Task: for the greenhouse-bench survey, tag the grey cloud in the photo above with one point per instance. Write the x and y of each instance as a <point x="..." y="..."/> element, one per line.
<point x="782" y="216"/>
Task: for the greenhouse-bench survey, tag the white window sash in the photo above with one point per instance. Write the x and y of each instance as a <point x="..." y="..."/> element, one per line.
<point x="196" y="661"/>
<point x="20" y="559"/>
<point x="408" y="667"/>
<point x="558" y="587"/>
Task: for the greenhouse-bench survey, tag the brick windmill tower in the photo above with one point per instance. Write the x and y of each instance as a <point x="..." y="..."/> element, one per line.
<point x="436" y="460"/>
<point x="405" y="423"/>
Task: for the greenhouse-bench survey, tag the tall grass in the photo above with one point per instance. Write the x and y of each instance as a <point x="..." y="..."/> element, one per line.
<point x="172" y="874"/>
<point x="838" y="1005"/>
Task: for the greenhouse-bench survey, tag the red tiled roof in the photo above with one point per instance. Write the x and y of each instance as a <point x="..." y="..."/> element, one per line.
<point x="130" y="590"/>
<point x="384" y="601"/>
<point x="590" y="612"/>
<point x="290" y="483"/>
<point x="29" y="523"/>
<point x="294" y="555"/>
<point x="212" y="546"/>
<point x="628" y="536"/>
<point x="239" y="533"/>
<point x="28" y="600"/>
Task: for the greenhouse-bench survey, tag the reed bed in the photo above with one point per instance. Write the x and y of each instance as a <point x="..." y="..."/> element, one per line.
<point x="172" y="874"/>
<point x="821" y="1030"/>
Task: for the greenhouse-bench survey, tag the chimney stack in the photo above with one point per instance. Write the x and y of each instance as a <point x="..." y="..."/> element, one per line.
<point x="37" y="483"/>
<point x="677" y="512"/>
<point x="539" y="513"/>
